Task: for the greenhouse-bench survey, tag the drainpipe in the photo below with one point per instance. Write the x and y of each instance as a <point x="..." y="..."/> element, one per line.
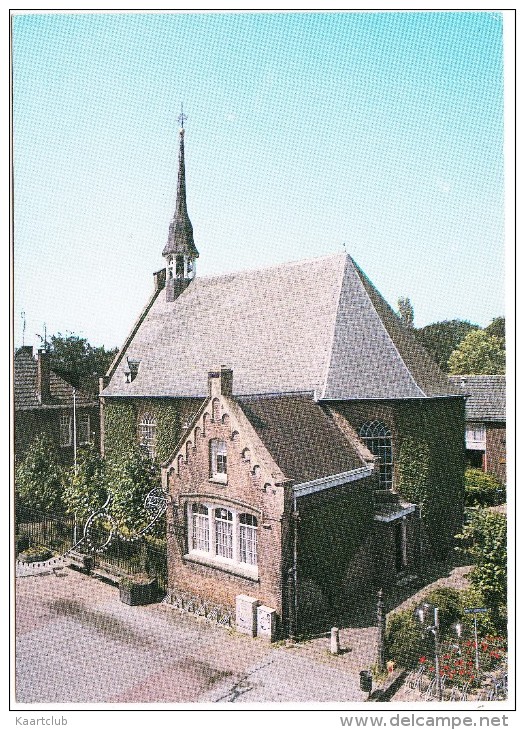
<point x="292" y="578"/>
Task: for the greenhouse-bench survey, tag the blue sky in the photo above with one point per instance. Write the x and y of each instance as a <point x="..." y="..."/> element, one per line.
<point x="306" y="132"/>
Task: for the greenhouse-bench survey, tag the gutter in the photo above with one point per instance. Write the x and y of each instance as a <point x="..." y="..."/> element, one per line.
<point x="335" y="480"/>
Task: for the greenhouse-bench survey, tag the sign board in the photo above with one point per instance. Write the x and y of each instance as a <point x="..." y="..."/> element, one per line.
<point x="476" y="610"/>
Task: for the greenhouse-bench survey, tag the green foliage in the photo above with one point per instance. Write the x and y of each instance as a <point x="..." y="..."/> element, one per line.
<point x="168" y="430"/>
<point x="472" y="598"/>
<point x="85" y="491"/>
<point x="22" y="542"/>
<point x="405" y="311"/>
<point x="482" y="490"/>
<point x="484" y="540"/>
<point x="405" y="640"/>
<point x="413" y="470"/>
<point x="442" y="338"/>
<point x="130" y="476"/>
<point x="478" y="354"/>
<point x="448" y="601"/>
<point x="39" y="480"/>
<point x="79" y="362"/>
<point x="37" y="554"/>
<point x="120" y="427"/>
<point x="497" y="329"/>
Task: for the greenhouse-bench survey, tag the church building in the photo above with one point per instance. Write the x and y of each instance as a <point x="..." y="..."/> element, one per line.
<point x="311" y="449"/>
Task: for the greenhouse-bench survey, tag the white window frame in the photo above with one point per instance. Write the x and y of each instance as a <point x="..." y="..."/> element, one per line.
<point x="84" y="428"/>
<point x="148" y="433"/>
<point x="218" y="461"/>
<point x="377" y="437"/>
<point x="476" y="437"/>
<point x="227" y="535"/>
<point x="66" y="429"/>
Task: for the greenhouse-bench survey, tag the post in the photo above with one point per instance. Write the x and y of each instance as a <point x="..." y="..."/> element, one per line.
<point x="75" y="429"/>
<point x="334" y="641"/>
<point x="436" y="647"/>
<point x="291" y="604"/>
<point x="381" y="631"/>
<point x="476" y="641"/>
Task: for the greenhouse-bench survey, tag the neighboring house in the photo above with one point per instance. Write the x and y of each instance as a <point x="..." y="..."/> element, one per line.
<point x="485" y="432"/>
<point x="44" y="405"/>
<point x="299" y="426"/>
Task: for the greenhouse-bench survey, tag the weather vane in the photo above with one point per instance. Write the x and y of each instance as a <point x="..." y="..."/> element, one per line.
<point x="182" y="117"/>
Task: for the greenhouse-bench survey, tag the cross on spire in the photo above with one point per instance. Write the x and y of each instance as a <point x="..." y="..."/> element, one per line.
<point x="182" y="117"/>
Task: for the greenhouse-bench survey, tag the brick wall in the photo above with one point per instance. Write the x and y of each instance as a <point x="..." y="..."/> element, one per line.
<point x="46" y="421"/>
<point x="440" y="423"/>
<point x="335" y="565"/>
<point x="495" y="454"/>
<point x="247" y="490"/>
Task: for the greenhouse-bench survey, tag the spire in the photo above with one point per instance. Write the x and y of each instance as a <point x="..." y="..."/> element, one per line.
<point x="180" y="236"/>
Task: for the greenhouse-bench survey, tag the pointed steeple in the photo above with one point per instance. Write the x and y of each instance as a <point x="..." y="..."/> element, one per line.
<point x="180" y="251"/>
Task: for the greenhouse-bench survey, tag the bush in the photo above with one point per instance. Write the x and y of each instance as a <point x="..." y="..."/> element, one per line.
<point x="449" y="603"/>
<point x="37" y="554"/>
<point x="22" y="542"/>
<point x="482" y="490"/>
<point x="405" y="640"/>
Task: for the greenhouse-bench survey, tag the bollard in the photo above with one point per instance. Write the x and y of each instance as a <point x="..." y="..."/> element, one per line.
<point x="334" y="641"/>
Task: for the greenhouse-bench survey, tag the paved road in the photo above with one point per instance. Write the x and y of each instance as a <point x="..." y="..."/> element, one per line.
<point x="77" y="643"/>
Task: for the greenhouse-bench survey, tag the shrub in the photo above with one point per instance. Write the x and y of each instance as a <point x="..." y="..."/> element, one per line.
<point x="37" y="554"/>
<point x="449" y="603"/>
<point x="405" y="640"/>
<point x="22" y="542"/>
<point x="482" y="490"/>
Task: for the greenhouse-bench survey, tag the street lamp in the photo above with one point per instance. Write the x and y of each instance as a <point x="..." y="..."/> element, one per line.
<point x="421" y="614"/>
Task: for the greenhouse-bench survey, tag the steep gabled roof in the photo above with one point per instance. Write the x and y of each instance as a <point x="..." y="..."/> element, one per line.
<point x="314" y="326"/>
<point x="486" y="393"/>
<point x="25" y="386"/>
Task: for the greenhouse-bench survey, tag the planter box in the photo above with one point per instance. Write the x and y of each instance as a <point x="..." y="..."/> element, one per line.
<point x="137" y="594"/>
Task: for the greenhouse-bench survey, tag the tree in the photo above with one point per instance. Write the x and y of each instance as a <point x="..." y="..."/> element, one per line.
<point x="39" y="480"/>
<point x="497" y="329"/>
<point x="405" y="311"/>
<point x="77" y="361"/>
<point x="485" y="542"/>
<point x="440" y="339"/>
<point x="85" y="488"/>
<point x="482" y="490"/>
<point x="131" y="475"/>
<point x="478" y="354"/>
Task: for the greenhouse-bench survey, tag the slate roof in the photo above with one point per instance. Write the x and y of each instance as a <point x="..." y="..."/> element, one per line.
<point x="25" y="386"/>
<point x="315" y="326"/>
<point x="487" y="396"/>
<point x="300" y="437"/>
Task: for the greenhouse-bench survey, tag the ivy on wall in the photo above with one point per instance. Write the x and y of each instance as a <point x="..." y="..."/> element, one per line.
<point x="413" y="470"/>
<point x="121" y="424"/>
<point x="168" y="429"/>
<point x="120" y="427"/>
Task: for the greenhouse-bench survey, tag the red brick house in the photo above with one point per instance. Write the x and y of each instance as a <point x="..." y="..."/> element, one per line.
<point x="297" y="470"/>
<point x="485" y="432"/>
<point x="44" y="405"/>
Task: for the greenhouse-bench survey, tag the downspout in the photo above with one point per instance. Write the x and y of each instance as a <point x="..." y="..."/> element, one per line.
<point x="292" y="579"/>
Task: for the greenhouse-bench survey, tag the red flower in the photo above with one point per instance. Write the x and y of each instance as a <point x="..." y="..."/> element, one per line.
<point x="422" y="659"/>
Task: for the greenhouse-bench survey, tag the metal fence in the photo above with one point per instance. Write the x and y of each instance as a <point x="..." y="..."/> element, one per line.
<point x="57" y="533"/>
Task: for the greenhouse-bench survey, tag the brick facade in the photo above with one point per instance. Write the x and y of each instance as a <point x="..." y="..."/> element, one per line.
<point x="495" y="454"/>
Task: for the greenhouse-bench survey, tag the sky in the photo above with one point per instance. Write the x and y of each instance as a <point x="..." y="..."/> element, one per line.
<point x="307" y="134"/>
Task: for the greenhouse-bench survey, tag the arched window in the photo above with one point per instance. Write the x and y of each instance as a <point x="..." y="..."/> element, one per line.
<point x="248" y="539"/>
<point x="223" y="533"/>
<point x="220" y="534"/>
<point x="147" y="433"/>
<point x="378" y="439"/>
<point x="218" y="461"/>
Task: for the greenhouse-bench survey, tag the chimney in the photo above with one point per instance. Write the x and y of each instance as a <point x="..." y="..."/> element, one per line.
<point x="43" y="389"/>
<point x="220" y="383"/>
